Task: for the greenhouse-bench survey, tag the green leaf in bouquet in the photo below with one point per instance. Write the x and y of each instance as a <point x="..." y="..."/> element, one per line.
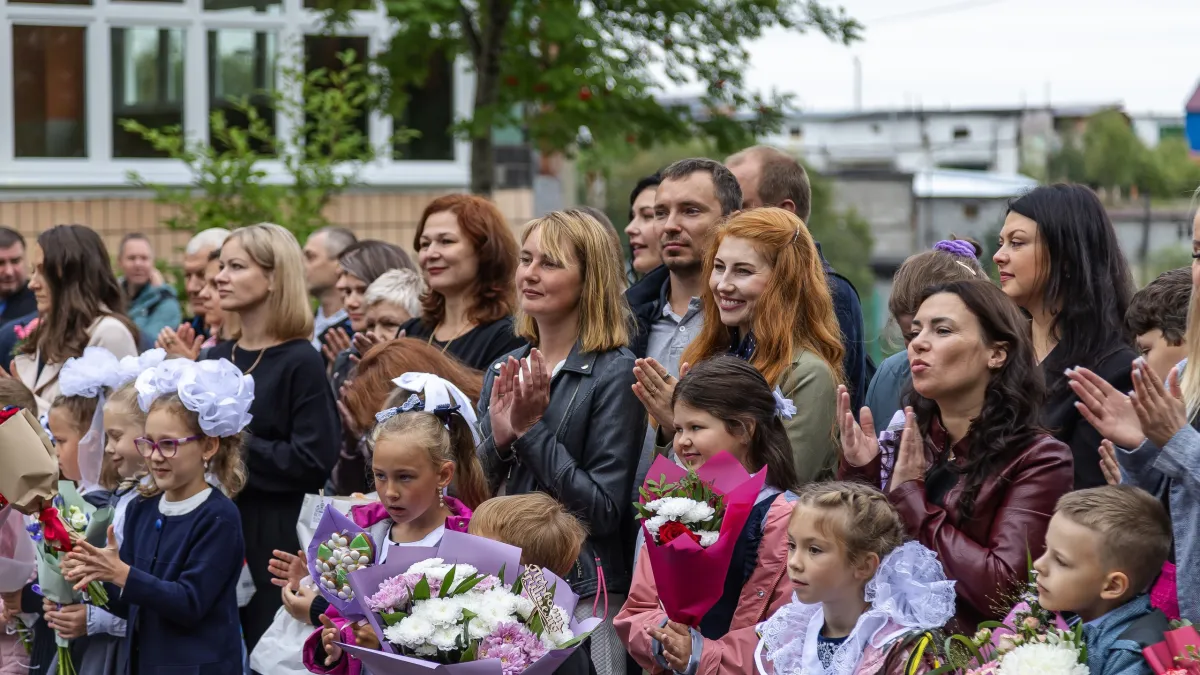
<point x="500" y="576"/>
<point x="967" y="644"/>
<point x="421" y="590"/>
<point x="468" y="583"/>
<point x="518" y="585"/>
<point x="643" y="513"/>
<point x="392" y="618"/>
<point x="470" y="654"/>
<point x="575" y="641"/>
<point x="97" y="529"/>
<point x="448" y="582"/>
<point x="97" y="594"/>
<point x="535" y="624"/>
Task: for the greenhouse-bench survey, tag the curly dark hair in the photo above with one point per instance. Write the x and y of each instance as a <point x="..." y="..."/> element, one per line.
<point x="1006" y="424"/>
<point x="710" y="387"/>
<point x="1088" y="282"/>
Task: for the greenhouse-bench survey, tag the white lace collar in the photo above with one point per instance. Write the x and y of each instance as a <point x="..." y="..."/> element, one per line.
<point x="908" y="592"/>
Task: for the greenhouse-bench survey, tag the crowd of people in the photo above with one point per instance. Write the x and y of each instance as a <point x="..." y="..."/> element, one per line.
<point x="1046" y="418"/>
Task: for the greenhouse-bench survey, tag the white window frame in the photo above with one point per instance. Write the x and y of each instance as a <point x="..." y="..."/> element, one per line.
<point x="100" y="169"/>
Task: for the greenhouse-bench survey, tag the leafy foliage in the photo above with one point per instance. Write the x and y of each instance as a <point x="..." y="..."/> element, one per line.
<point x="321" y="156"/>
<point x="556" y="66"/>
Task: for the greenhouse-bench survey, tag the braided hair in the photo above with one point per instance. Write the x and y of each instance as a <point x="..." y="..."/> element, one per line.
<point x="855" y="514"/>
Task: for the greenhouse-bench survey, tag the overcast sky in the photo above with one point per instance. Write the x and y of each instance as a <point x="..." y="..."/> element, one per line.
<point x="1145" y="53"/>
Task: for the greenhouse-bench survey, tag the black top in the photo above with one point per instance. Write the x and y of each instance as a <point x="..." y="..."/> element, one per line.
<point x="18" y="304"/>
<point x="292" y="441"/>
<point x="1061" y="419"/>
<point x="478" y="348"/>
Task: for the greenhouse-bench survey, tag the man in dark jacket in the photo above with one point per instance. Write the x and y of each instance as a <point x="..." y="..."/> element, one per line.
<point x="771" y="177"/>
<point x="16" y="300"/>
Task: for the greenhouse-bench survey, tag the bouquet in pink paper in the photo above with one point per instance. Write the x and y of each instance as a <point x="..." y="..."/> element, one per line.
<point x="1178" y="653"/>
<point x="466" y="608"/>
<point x="692" y="520"/>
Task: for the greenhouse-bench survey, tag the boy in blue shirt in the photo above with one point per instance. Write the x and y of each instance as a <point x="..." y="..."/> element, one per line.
<point x="1104" y="549"/>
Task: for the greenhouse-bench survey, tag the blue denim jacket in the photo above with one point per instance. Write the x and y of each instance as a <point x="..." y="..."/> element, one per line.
<point x="1111" y="651"/>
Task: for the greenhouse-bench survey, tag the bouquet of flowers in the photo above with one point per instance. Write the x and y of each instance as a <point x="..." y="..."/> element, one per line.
<point x="338" y="548"/>
<point x="1178" y="653"/>
<point x="467" y="608"/>
<point x="692" y="520"/>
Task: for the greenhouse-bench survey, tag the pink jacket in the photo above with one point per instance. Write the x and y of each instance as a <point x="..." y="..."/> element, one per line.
<point x="365" y="516"/>
<point x="765" y="591"/>
<point x="13" y="658"/>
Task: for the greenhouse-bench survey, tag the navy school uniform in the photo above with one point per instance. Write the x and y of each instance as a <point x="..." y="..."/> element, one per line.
<point x="181" y="596"/>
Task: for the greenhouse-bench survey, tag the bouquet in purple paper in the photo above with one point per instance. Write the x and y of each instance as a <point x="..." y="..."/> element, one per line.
<point x="338" y="548"/>
<point x="467" y="607"/>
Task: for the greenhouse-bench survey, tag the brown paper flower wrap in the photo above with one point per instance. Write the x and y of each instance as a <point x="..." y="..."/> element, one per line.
<point x="28" y="463"/>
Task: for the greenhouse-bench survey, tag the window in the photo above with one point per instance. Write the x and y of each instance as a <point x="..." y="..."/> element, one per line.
<point x="265" y="6"/>
<point x="961" y="133"/>
<point x="430" y="111"/>
<point x="970" y="210"/>
<point x="49" y="95"/>
<point x="796" y="132"/>
<point x="324" y="51"/>
<point x="147" y="82"/>
<point x="241" y="65"/>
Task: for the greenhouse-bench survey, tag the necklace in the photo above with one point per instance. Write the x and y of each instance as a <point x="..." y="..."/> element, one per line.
<point x="448" y="342"/>
<point x="255" y="365"/>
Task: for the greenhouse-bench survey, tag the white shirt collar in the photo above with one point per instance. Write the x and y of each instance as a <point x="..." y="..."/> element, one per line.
<point x="182" y="508"/>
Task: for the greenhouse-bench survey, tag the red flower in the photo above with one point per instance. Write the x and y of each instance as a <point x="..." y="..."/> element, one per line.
<point x="673" y="529"/>
<point x="8" y="412"/>
<point x="54" y="530"/>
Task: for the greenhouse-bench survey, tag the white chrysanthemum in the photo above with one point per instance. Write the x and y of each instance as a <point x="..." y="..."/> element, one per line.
<point x="708" y="538"/>
<point x="672" y="508"/>
<point x="524" y="606"/>
<point x="425" y="650"/>
<point x="438" y="611"/>
<point x="445" y="639"/>
<point x="421" y="567"/>
<point x="412" y="631"/>
<point x="1039" y="658"/>
<point x="654" y="523"/>
<point x="699" y="513"/>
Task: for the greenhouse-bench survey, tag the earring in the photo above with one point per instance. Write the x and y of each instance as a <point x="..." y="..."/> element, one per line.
<point x="441" y="498"/>
<point x="206" y="463"/>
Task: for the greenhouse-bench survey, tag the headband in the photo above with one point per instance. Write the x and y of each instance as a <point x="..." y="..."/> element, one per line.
<point x="438" y="392"/>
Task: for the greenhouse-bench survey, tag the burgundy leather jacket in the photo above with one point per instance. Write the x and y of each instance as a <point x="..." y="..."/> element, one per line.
<point x="987" y="555"/>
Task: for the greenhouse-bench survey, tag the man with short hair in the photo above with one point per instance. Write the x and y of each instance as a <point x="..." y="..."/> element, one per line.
<point x="153" y="304"/>
<point x="16" y="300"/>
<point x="321" y="253"/>
<point x="771" y="177"/>
<point x="195" y="261"/>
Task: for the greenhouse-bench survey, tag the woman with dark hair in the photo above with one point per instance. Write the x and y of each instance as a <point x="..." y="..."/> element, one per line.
<point x="645" y="249"/>
<point x="748" y="426"/>
<point x="469" y="256"/>
<point x="1060" y="261"/>
<point x="358" y="267"/>
<point x="367" y="393"/>
<point x="79" y="305"/>
<point x="972" y="474"/>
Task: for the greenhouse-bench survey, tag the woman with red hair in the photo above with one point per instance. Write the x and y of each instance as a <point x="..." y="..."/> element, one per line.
<point x="469" y="256"/>
<point x="769" y="304"/>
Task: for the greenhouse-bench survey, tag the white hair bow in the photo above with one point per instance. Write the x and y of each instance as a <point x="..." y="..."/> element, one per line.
<point x="438" y="392"/>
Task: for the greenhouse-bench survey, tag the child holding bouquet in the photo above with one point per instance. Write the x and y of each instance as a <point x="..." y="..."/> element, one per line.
<point x="175" y="577"/>
<point x="1104" y="548"/>
<point x="864" y="600"/>
<point x="708" y="420"/>
<point x="418" y="454"/>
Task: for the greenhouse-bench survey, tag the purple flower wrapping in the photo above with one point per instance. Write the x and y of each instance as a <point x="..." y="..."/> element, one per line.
<point x="333" y="522"/>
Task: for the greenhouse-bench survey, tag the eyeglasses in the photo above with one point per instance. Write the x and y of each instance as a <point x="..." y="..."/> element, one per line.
<point x="167" y="447"/>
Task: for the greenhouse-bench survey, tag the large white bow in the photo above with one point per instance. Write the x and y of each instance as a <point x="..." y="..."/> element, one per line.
<point x="438" y="391"/>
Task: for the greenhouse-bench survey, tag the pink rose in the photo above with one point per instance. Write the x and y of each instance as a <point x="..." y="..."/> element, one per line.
<point x="1032" y="623"/>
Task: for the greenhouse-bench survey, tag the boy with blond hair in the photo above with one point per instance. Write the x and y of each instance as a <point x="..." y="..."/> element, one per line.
<point x="1104" y="549"/>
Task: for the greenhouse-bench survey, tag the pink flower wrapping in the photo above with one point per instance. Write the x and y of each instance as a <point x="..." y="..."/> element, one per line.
<point x="690" y="579"/>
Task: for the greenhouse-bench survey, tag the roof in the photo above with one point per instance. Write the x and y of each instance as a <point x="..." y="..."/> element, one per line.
<point x="956" y="184"/>
<point x="1080" y="110"/>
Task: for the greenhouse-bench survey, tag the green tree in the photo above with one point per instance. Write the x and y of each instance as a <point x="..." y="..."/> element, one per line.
<point x="555" y="66"/>
<point x="1168" y="171"/>
<point x="1111" y="151"/>
<point x="322" y="155"/>
<point x="1067" y="163"/>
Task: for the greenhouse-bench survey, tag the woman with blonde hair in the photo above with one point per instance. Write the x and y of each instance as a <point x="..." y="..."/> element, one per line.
<point x="769" y="304"/>
<point x="559" y="416"/>
<point x="291" y="443"/>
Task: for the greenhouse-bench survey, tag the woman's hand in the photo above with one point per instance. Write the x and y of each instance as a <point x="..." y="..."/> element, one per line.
<point x="1108" y="411"/>
<point x="298" y="600"/>
<point x="88" y="563"/>
<point x="860" y="445"/>
<point x="329" y="636"/>
<point x="500" y="403"/>
<point x="1161" y="412"/>
<point x="654" y="388"/>
<point x="910" y="458"/>
<point x="68" y="621"/>
<point x="336" y="341"/>
<point x="532" y="386"/>
<point x="288" y="569"/>
<point x="182" y="343"/>
<point x="1108" y="463"/>
<point x="364" y="341"/>
<point x="676" y="641"/>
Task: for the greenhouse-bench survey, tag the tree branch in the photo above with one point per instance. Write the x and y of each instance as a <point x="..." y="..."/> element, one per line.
<point x="469" y="30"/>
